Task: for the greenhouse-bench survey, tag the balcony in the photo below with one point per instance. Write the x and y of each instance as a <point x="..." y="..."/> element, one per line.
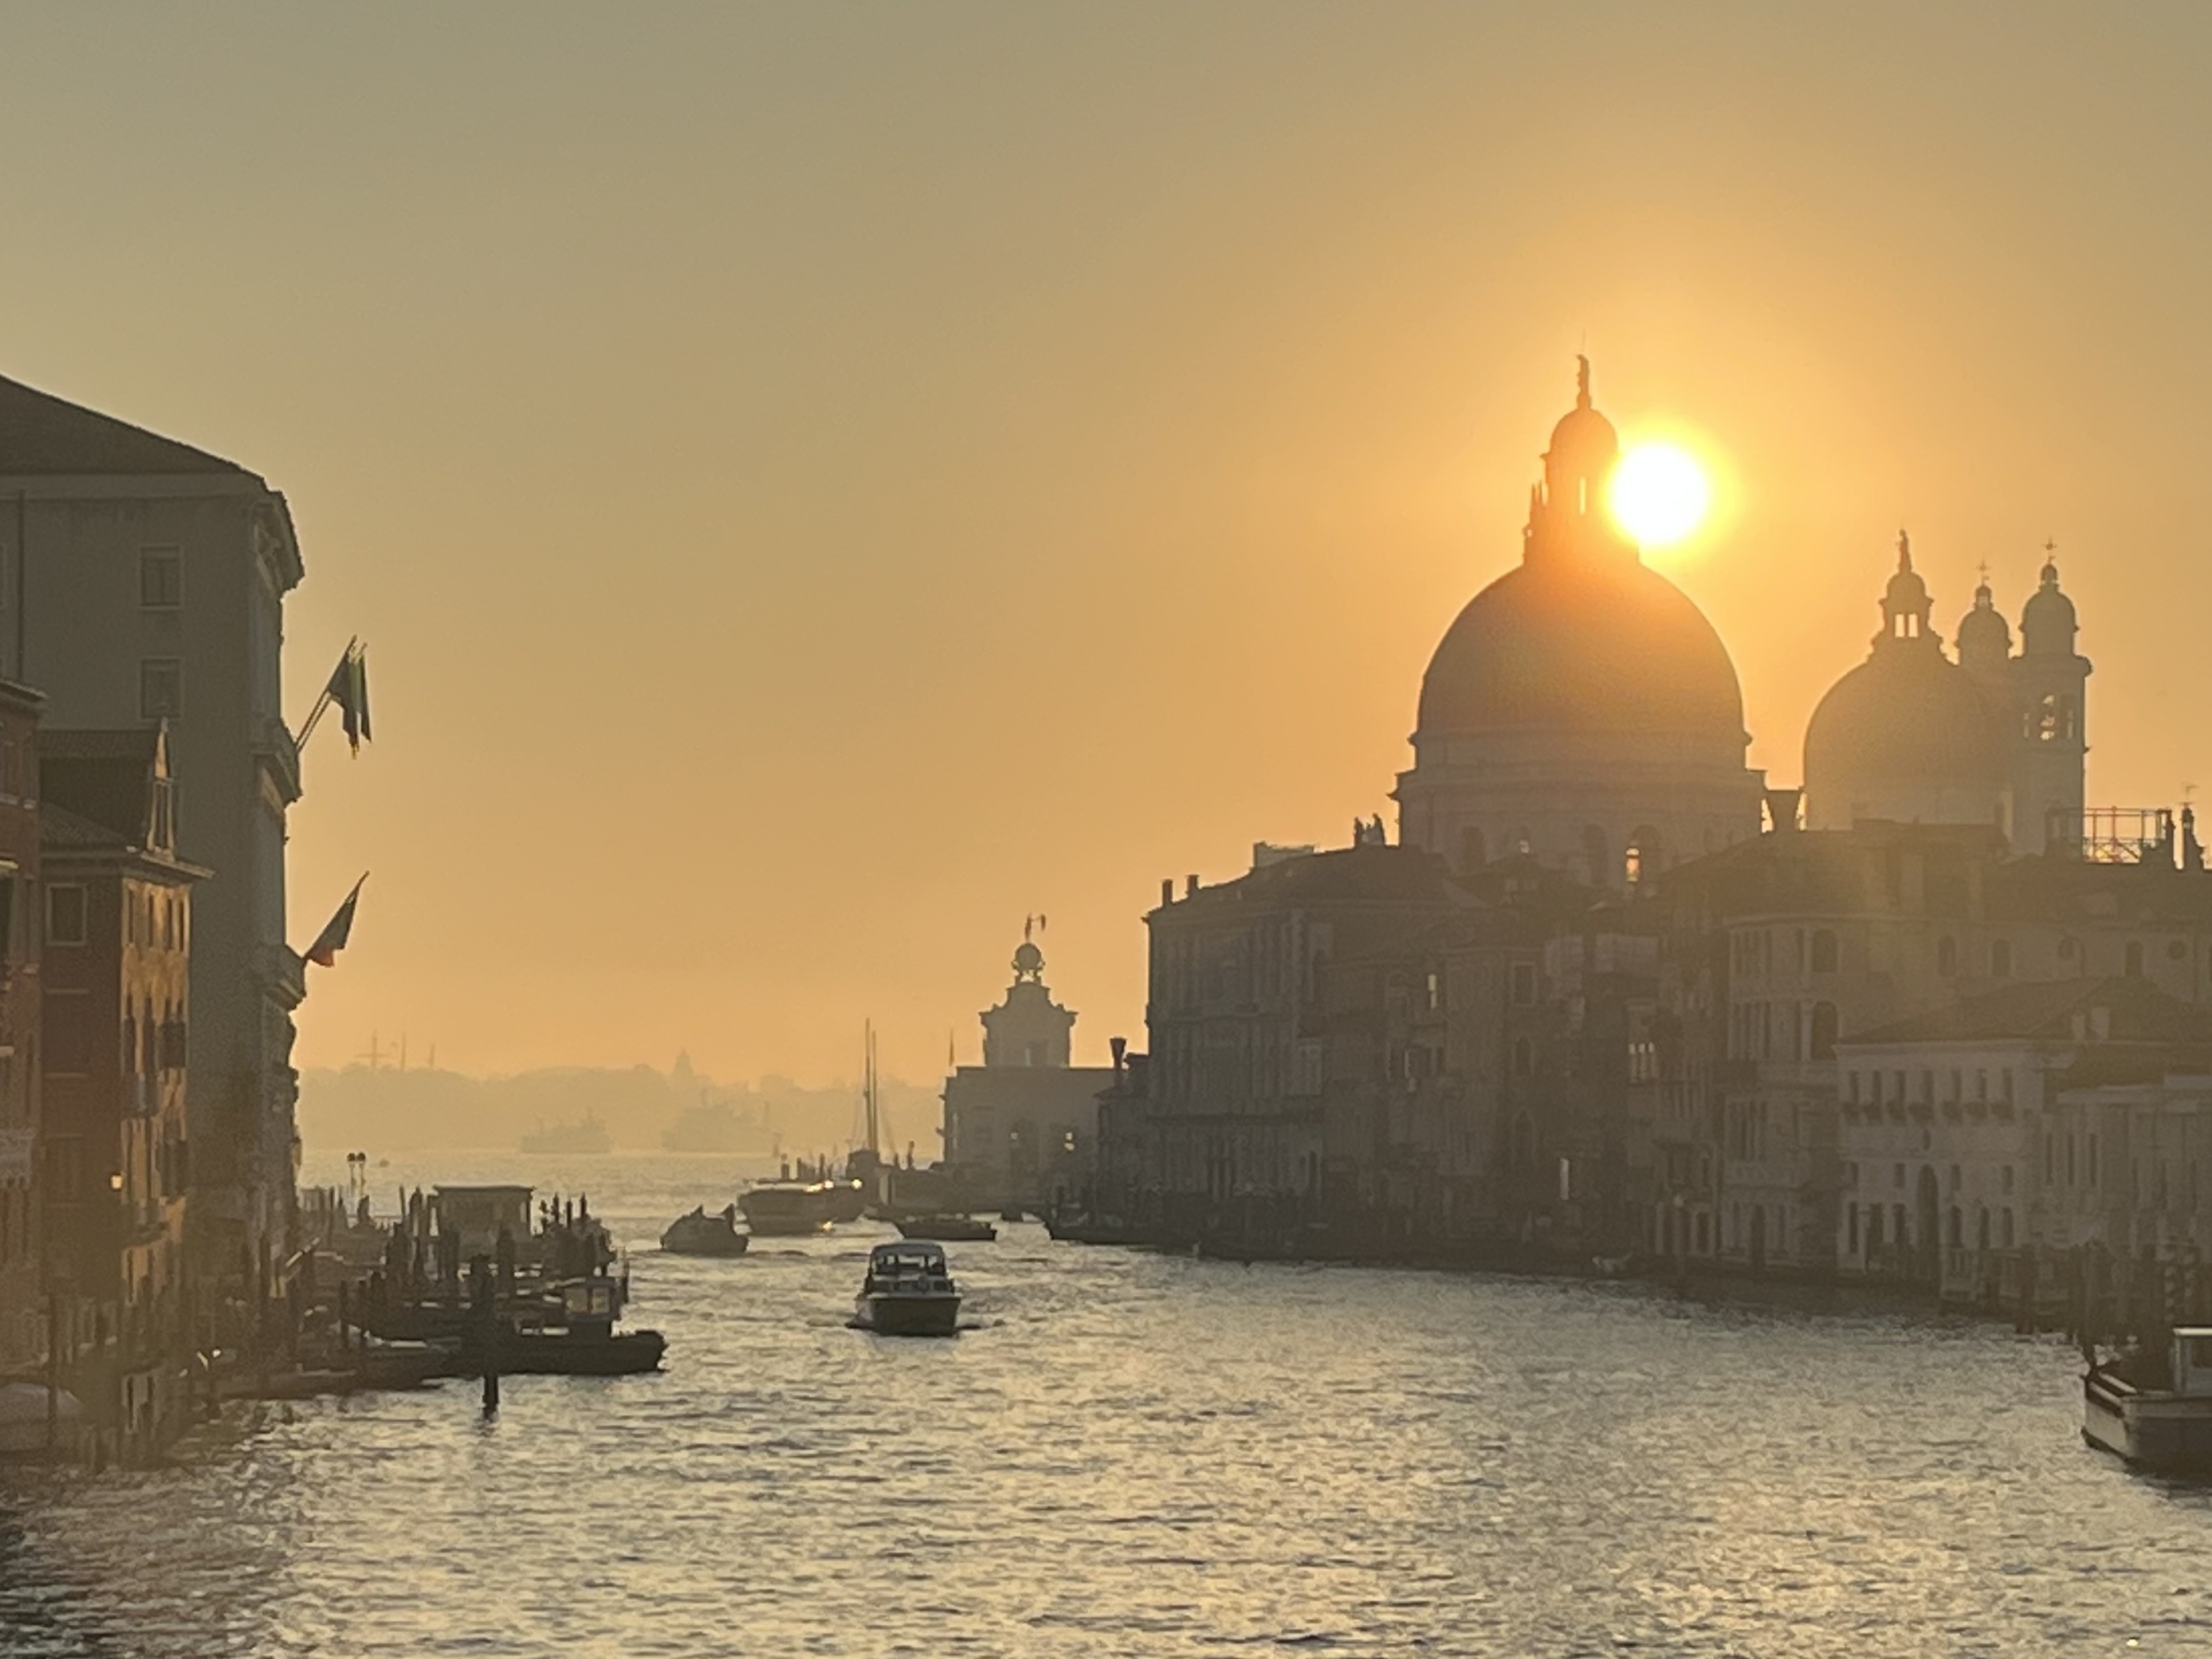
<point x="283" y="974"/>
<point x="275" y="750"/>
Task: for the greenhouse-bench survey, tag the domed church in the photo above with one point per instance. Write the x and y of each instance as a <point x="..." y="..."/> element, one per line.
<point x="1580" y="708"/>
<point x="1912" y="736"/>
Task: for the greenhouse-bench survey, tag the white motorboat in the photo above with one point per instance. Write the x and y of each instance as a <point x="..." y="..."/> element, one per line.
<point x="908" y="1291"/>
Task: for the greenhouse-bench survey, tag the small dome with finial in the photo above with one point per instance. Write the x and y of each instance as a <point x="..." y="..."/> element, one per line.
<point x="2047" y="623"/>
<point x="1984" y="637"/>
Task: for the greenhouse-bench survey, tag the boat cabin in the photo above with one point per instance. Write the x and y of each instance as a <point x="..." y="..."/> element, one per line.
<point x="477" y="1213"/>
<point x="2192" y="1360"/>
<point x="909" y="1265"/>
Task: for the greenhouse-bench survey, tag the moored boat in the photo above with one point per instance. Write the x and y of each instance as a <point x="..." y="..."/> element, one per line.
<point x="908" y="1291"/>
<point x="786" y="1209"/>
<point x="701" y="1234"/>
<point x="2155" y="1421"/>
<point x="947" y="1229"/>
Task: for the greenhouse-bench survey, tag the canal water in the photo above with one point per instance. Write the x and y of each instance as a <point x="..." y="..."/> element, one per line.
<point x="1129" y="1454"/>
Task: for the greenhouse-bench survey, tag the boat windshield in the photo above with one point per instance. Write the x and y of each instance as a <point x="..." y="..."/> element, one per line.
<point x="893" y="1260"/>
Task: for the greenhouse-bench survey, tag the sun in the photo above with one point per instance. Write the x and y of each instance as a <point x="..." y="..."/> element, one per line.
<point x="1660" y="493"/>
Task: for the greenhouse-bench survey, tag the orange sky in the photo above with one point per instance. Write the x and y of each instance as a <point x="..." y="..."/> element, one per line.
<point x="821" y="482"/>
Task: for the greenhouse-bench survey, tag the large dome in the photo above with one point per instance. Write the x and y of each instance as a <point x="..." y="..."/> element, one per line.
<point x="1562" y="646"/>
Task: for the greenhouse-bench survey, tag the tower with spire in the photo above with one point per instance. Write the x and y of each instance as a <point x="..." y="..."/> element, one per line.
<point x="2051" y="747"/>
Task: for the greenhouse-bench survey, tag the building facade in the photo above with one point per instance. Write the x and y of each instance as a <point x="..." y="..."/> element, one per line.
<point x="118" y="1016"/>
<point x="144" y="582"/>
<point x="23" y="1313"/>
<point x="1022" y="1128"/>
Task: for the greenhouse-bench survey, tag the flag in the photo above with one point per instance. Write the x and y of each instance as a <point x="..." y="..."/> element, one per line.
<point x="324" y="952"/>
<point x="349" y="689"/>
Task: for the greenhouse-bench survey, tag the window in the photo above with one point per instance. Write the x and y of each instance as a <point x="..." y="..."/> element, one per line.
<point x="2005" y="1182"/>
<point x="160" y="578"/>
<point x="65" y="915"/>
<point x="2001" y="959"/>
<point x="161" y="688"/>
<point x="1824" y="950"/>
<point x="1435" y="993"/>
<point x="1524" y="984"/>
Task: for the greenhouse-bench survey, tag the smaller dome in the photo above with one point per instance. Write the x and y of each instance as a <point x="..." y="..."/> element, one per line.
<point x="1897" y="727"/>
<point x="1984" y="635"/>
<point x="1028" y="961"/>
<point x="2047" y="623"/>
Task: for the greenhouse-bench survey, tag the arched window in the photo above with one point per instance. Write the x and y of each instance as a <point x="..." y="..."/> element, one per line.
<point x="1633" y="865"/>
<point x="2001" y="958"/>
<point x="1824" y="1030"/>
<point x="1824" y="950"/>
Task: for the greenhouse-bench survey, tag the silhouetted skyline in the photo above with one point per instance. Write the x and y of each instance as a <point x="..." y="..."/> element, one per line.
<point x="820" y="486"/>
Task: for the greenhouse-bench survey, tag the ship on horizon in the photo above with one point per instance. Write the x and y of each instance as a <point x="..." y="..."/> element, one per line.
<point x="587" y="1136"/>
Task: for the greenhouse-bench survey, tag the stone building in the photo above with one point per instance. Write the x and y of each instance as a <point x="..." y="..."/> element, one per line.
<point x="1022" y="1128"/>
<point x="1580" y="708"/>
<point x="1249" y="1045"/>
<point x="22" y="1226"/>
<point x="144" y="580"/>
<point x="2005" y="1123"/>
<point x="117" y="1013"/>
<point x="1604" y="1017"/>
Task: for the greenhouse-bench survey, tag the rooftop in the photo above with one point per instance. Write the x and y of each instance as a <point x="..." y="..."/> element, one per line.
<point x="41" y="434"/>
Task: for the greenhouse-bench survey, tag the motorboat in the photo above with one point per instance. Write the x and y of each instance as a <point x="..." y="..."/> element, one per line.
<point x="908" y="1291"/>
<point x="786" y="1209"/>
<point x="701" y="1234"/>
<point x="947" y="1229"/>
<point x="2158" y="1419"/>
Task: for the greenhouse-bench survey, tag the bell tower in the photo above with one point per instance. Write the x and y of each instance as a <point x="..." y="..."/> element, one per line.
<point x="2051" y="747"/>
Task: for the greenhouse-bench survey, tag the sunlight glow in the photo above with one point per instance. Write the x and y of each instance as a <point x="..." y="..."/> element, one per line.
<point x="1660" y="493"/>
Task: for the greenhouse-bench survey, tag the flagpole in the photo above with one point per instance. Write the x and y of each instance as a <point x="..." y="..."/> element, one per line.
<point x="323" y="701"/>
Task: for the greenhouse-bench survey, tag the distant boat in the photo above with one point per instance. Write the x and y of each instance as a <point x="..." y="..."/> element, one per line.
<point x="948" y="1229"/>
<point x="712" y="1127"/>
<point x="908" y="1291"/>
<point x="701" y="1234"/>
<point x="588" y="1137"/>
<point x="787" y="1209"/>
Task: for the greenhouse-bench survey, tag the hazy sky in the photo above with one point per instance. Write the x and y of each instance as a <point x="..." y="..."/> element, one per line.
<point x="823" y="482"/>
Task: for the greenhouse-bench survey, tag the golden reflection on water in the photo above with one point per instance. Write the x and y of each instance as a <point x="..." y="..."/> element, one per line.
<point x="1134" y="1456"/>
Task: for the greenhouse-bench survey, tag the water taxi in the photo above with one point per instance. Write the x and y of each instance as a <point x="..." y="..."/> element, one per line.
<point x="2155" y="1421"/>
<point x="908" y="1291"/>
<point x="787" y="1209"/>
<point x="947" y="1229"/>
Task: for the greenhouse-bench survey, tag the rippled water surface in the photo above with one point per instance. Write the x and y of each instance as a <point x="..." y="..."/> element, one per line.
<point x="1131" y="1455"/>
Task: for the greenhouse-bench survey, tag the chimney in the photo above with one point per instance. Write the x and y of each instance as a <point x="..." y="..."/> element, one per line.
<point x="1167" y="889"/>
<point x="2193" y="850"/>
<point x="1121" y="1047"/>
<point x="1190" y="886"/>
<point x="1781" y="809"/>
